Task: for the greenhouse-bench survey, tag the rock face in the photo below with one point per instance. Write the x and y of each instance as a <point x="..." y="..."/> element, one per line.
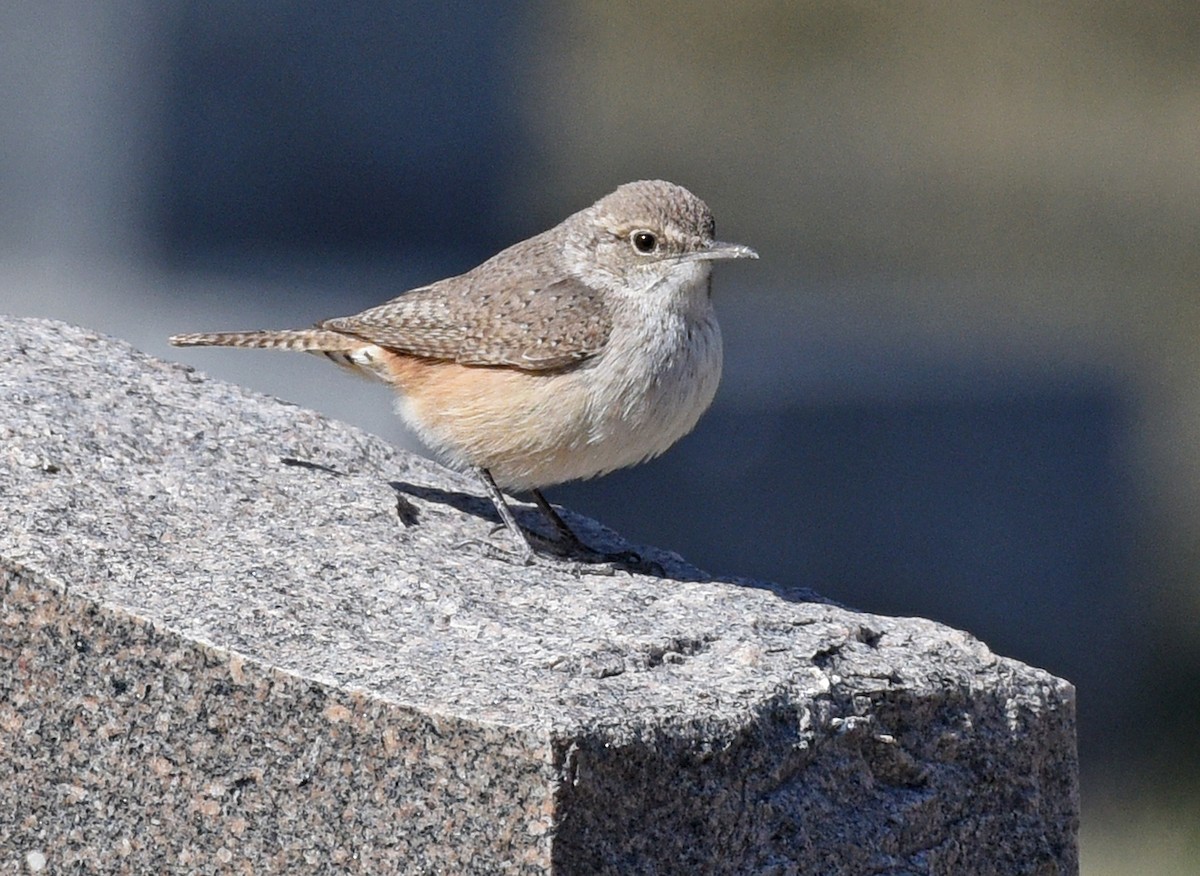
<point x="239" y="637"/>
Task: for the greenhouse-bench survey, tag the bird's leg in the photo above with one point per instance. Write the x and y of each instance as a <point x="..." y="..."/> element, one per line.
<point x="523" y="544"/>
<point x="628" y="559"/>
<point x="568" y="540"/>
<point x="565" y="532"/>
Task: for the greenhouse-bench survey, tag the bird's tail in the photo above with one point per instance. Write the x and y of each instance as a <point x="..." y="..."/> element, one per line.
<point x="304" y="340"/>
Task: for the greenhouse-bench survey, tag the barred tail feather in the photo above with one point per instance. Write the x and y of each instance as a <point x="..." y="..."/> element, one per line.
<point x="304" y="340"/>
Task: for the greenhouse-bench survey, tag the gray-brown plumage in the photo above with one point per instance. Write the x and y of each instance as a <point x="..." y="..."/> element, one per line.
<point x="520" y="308"/>
<point x="532" y="323"/>
<point x="586" y="348"/>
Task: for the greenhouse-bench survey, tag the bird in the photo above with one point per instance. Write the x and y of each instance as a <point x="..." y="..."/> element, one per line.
<point x="584" y="349"/>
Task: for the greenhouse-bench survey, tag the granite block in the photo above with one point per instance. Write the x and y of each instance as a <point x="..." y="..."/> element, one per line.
<point x="238" y="637"/>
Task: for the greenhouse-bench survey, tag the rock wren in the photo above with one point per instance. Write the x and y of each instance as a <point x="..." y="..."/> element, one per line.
<point x="590" y="347"/>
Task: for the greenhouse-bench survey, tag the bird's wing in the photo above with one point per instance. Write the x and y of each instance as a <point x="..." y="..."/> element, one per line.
<point x="534" y="327"/>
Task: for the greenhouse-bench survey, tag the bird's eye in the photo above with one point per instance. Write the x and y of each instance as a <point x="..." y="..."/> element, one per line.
<point x="644" y="241"/>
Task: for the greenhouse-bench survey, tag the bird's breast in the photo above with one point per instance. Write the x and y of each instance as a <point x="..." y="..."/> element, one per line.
<point x="651" y="385"/>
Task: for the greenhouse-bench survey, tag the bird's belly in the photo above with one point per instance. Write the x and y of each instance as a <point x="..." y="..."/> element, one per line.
<point x="534" y="430"/>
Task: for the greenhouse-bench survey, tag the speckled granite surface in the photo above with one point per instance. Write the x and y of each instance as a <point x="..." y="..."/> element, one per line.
<point x="238" y="637"/>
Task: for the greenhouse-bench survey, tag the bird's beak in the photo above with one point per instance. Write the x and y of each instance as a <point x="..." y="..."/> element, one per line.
<point x="718" y="250"/>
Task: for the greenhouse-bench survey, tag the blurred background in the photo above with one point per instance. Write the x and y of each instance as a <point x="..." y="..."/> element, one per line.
<point x="963" y="381"/>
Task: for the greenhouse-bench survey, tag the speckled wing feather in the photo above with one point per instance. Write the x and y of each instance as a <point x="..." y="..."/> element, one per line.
<point x="536" y="327"/>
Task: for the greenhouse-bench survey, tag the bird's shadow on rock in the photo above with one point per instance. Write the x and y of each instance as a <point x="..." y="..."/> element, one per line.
<point x="607" y="543"/>
<point x="476" y="506"/>
<point x="606" y="546"/>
